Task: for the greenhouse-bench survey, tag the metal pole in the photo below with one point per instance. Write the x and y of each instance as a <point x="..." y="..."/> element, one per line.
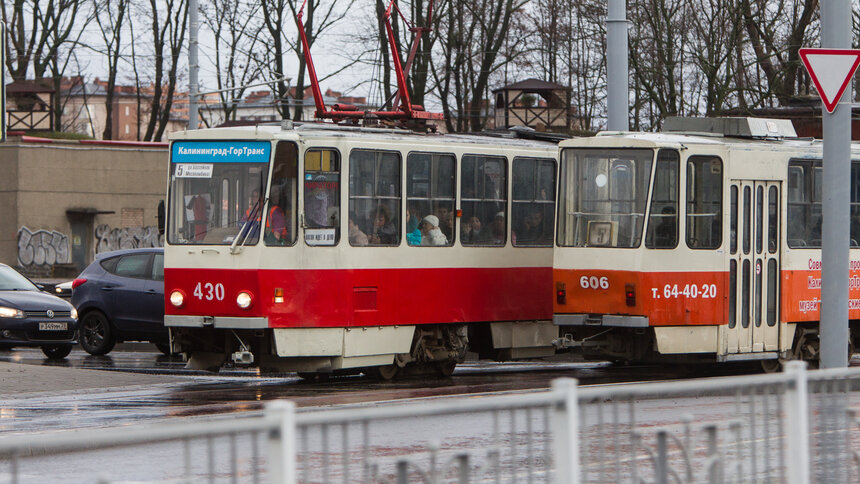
<point x="795" y="423"/>
<point x="616" y="67"/>
<point x="566" y="429"/>
<point x="835" y="33"/>
<point x="282" y="442"/>
<point x="193" y="65"/>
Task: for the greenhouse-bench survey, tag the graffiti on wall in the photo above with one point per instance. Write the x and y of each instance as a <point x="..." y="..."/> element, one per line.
<point x="108" y="239"/>
<point x="42" y="248"/>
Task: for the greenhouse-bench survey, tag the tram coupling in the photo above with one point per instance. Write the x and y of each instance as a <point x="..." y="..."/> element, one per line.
<point x="242" y="358"/>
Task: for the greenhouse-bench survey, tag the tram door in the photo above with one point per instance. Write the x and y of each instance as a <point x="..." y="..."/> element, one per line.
<point x="753" y="266"/>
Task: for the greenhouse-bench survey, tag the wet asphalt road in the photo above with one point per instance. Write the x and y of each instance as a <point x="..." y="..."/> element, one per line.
<point x="200" y="393"/>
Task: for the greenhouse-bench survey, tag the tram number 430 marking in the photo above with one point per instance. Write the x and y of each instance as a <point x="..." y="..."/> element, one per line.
<point x="691" y="291"/>
<point x="209" y="291"/>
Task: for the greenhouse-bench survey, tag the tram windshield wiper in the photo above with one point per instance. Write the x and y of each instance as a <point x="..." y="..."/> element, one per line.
<point x="254" y="222"/>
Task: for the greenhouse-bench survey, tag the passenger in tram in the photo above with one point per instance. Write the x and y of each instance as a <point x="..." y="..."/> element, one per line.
<point x="356" y="236"/>
<point x="200" y="208"/>
<point x="384" y="230"/>
<point x="665" y="233"/>
<point x="498" y="231"/>
<point x="430" y="232"/>
<point x="446" y="221"/>
<point x="471" y="231"/>
<point x="317" y="202"/>
<point x="532" y="228"/>
<point x="413" y="220"/>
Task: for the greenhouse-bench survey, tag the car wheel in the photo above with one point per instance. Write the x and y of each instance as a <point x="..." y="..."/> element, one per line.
<point x="57" y="352"/>
<point x="96" y="335"/>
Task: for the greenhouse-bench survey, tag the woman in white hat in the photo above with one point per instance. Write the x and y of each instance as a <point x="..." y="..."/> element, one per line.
<point x="431" y="234"/>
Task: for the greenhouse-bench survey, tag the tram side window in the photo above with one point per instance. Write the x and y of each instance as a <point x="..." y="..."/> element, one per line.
<point x="663" y="218"/>
<point x="704" y="202"/>
<point x="533" y="201"/>
<point x="803" y="223"/>
<point x="483" y="195"/>
<point x="430" y="199"/>
<point x="374" y="198"/>
<point x="322" y="197"/>
<point x="281" y="217"/>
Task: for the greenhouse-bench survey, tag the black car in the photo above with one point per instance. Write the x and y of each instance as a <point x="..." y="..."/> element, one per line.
<point x="120" y="297"/>
<point x="30" y="317"/>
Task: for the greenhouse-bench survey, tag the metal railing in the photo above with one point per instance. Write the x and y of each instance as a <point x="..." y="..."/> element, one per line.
<point x="795" y="426"/>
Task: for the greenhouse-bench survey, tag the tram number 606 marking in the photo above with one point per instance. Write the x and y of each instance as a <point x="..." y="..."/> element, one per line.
<point x="209" y="291"/>
<point x="594" y="282"/>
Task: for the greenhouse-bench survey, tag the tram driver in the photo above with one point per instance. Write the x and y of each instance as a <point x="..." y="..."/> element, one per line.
<point x="276" y="221"/>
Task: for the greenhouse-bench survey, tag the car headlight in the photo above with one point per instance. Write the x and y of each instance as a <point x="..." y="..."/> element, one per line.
<point x="177" y="298"/>
<point x="244" y="300"/>
<point x="10" y="312"/>
<point x="74" y="313"/>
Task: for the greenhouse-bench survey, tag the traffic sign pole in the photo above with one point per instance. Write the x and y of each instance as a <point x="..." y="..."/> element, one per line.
<point x="835" y="239"/>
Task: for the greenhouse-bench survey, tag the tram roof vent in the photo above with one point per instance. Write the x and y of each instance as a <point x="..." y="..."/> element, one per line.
<point x="733" y="127"/>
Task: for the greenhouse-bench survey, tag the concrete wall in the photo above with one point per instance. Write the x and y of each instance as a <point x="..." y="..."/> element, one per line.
<point x="45" y="187"/>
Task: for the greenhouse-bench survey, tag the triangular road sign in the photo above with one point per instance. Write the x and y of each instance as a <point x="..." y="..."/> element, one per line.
<point x="831" y="70"/>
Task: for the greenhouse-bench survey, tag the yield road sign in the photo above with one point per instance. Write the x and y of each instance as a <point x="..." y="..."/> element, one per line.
<point x="831" y="70"/>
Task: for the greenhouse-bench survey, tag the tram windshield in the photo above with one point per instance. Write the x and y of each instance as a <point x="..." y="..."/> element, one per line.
<point x="217" y="191"/>
<point x="603" y="196"/>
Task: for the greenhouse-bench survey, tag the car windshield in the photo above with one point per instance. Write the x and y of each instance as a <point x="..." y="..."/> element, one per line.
<point x="10" y="280"/>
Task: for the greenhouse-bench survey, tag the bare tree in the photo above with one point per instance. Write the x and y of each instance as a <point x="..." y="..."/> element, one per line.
<point x="325" y="19"/>
<point x="169" y="22"/>
<point x="657" y="44"/>
<point x="472" y="33"/>
<point x="276" y="18"/>
<point x="37" y="32"/>
<point x="776" y="31"/>
<point x="110" y="18"/>
<point x="236" y="28"/>
<point x="716" y="30"/>
<point x="42" y="37"/>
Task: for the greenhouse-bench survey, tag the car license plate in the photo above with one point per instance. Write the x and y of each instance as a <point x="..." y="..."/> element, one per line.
<point x="53" y="326"/>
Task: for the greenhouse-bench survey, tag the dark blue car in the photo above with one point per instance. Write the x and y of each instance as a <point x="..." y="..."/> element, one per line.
<point x="30" y="317"/>
<point x="120" y="297"/>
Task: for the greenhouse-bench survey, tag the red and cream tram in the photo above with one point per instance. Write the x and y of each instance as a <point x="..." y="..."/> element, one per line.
<point x="702" y="243"/>
<point x="317" y="248"/>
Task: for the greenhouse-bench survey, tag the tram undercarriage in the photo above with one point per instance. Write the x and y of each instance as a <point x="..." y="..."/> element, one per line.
<point x="640" y="345"/>
<point x="385" y="351"/>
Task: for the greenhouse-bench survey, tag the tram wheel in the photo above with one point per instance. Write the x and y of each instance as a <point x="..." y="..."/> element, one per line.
<point x="445" y="368"/>
<point x="384" y="372"/>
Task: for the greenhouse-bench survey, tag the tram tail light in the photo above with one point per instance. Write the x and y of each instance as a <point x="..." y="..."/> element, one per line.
<point x="279" y="295"/>
<point x="630" y="294"/>
<point x="560" y="293"/>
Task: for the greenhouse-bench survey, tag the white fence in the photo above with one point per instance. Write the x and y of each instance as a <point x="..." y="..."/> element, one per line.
<point x="795" y="426"/>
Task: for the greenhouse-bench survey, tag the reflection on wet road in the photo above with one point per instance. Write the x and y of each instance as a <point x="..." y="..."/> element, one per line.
<point x="199" y="393"/>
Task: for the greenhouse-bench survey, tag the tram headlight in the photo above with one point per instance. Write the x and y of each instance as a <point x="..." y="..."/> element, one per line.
<point x="279" y="295"/>
<point x="244" y="300"/>
<point x="177" y="298"/>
